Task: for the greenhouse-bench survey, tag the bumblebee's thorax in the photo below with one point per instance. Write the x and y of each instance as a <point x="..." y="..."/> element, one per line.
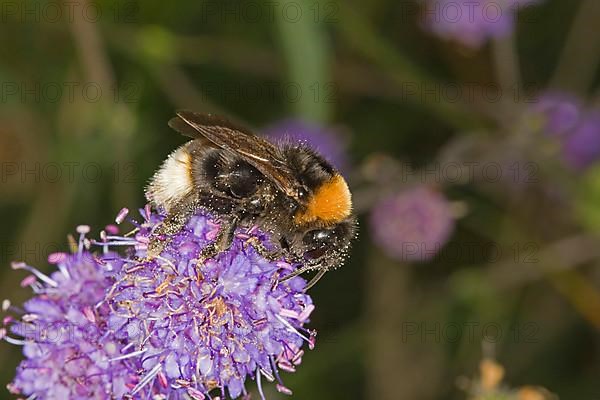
<point x="330" y="203"/>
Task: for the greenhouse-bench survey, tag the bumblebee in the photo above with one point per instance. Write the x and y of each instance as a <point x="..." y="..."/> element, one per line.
<point x="241" y="179"/>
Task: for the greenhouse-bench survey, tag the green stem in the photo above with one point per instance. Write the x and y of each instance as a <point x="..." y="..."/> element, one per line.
<point x="363" y="38"/>
<point x="581" y="54"/>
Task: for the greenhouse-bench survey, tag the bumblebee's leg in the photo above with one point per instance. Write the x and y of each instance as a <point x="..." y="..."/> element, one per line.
<point x="169" y="226"/>
<point x="297" y="272"/>
<point x="315" y="279"/>
<point x="221" y="243"/>
<point x="304" y="269"/>
<point x="270" y="255"/>
<point x="173" y="223"/>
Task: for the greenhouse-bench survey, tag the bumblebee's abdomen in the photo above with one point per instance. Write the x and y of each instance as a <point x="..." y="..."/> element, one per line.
<point x="173" y="181"/>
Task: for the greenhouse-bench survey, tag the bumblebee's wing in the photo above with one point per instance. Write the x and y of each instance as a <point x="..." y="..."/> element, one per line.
<point x="260" y="153"/>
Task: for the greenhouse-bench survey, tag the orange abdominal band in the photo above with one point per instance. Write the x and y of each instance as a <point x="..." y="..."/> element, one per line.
<point x="331" y="203"/>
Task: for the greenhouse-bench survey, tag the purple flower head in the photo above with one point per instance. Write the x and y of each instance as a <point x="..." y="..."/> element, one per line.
<point x="204" y="330"/>
<point x="582" y="147"/>
<point x="328" y="142"/>
<point x="472" y="23"/>
<point x="107" y="326"/>
<point x="560" y="112"/>
<point x="69" y="353"/>
<point x="412" y="225"/>
<point x="575" y="127"/>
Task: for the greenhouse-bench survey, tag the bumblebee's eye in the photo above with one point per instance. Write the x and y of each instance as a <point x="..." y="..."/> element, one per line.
<point x="318" y="236"/>
<point x="302" y="193"/>
<point x="319" y="241"/>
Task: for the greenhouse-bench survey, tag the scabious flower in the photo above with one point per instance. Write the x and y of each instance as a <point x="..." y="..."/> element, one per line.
<point x="110" y="326"/>
<point x="582" y="147"/>
<point x="69" y="352"/>
<point x="206" y="329"/>
<point x="412" y="225"/>
<point x="575" y="126"/>
<point x="561" y="112"/>
<point x="328" y="142"/>
<point x="472" y="23"/>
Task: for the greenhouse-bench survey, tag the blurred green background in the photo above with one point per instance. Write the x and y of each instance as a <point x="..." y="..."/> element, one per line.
<point x="87" y="90"/>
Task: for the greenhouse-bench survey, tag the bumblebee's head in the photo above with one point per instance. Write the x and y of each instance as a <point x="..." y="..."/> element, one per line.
<point x="323" y="195"/>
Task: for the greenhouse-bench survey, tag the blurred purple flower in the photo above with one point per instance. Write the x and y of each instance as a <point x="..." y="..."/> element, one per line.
<point x="582" y="146"/>
<point x="69" y="354"/>
<point x="561" y="112"/>
<point x="328" y="142"/>
<point x="576" y="128"/>
<point x="412" y="225"/>
<point x="209" y="329"/>
<point x="472" y="22"/>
